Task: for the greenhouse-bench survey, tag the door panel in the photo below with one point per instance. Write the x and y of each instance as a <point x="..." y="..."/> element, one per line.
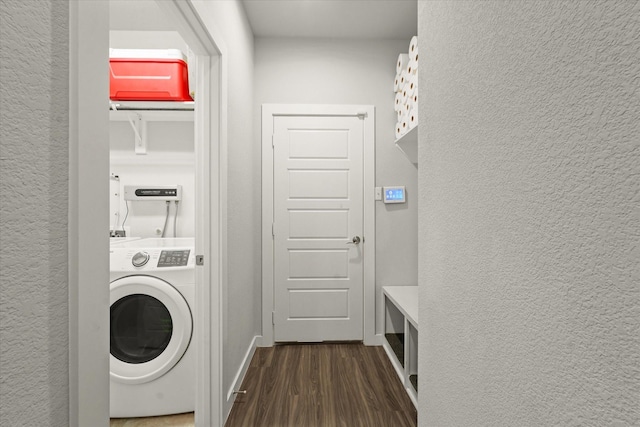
<point x="318" y="264"/>
<point x="318" y="184"/>
<point x="318" y="224"/>
<point x="318" y="208"/>
<point x="318" y="144"/>
<point x="318" y="303"/>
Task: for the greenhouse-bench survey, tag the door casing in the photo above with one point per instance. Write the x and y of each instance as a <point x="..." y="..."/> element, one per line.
<point x="367" y="113"/>
<point x="88" y="205"/>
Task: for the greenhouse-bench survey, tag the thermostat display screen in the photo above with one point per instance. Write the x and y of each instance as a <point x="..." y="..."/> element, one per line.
<point x="394" y="195"/>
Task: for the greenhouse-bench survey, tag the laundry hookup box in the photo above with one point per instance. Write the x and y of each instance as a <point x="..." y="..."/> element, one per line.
<point x="148" y="75"/>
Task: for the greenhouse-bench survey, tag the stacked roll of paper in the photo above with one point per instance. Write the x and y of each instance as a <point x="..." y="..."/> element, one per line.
<point x="405" y="87"/>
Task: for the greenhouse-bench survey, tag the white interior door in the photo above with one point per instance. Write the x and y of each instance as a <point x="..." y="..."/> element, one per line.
<point x="318" y="228"/>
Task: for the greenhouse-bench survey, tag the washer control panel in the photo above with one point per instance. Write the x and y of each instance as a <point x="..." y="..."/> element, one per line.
<point x="174" y="258"/>
<point x="139" y="258"/>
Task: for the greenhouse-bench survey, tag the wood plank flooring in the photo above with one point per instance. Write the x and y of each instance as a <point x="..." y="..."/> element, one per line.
<point x="322" y="385"/>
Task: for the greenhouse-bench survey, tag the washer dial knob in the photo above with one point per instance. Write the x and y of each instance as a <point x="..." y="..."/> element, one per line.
<point x="140" y="259"/>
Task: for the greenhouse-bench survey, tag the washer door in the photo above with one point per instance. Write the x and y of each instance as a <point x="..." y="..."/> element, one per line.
<point x="151" y="328"/>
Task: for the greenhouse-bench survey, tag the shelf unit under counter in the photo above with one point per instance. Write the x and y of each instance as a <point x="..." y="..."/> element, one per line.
<point x="401" y="334"/>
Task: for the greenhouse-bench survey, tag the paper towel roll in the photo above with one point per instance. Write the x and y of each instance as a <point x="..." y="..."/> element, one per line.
<point x="411" y="103"/>
<point x="398" y="101"/>
<point x="405" y="124"/>
<point x="399" y="130"/>
<point x="403" y="60"/>
<point x="406" y="108"/>
<point x="414" y="98"/>
<point x="404" y="78"/>
<point x="399" y="114"/>
<point x="413" y="117"/>
<point x="412" y="85"/>
<point x="408" y="89"/>
<point x="412" y="68"/>
<point x="413" y="48"/>
<point x="396" y="83"/>
<point x="404" y="95"/>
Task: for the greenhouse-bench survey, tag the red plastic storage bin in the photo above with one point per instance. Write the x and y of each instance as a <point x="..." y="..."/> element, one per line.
<point x="148" y="75"/>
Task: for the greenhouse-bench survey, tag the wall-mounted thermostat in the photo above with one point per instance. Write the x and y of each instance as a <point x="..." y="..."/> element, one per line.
<point x="394" y="194"/>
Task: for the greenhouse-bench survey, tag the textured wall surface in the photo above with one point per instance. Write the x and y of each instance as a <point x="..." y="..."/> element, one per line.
<point x="317" y="71"/>
<point x="529" y="224"/>
<point x="34" y="119"/>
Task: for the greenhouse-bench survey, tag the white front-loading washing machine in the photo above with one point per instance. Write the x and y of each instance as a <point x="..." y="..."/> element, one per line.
<point x="120" y="240"/>
<point x="152" y="297"/>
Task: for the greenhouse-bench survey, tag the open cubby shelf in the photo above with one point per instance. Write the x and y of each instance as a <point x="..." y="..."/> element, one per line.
<point x="401" y="334"/>
<point x="396" y="341"/>
<point x="414" y="381"/>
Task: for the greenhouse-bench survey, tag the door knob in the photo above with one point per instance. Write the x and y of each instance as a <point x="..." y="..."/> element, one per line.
<point x="354" y="241"/>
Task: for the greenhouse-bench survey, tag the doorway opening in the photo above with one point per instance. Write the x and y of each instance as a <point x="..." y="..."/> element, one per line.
<point x="88" y="243"/>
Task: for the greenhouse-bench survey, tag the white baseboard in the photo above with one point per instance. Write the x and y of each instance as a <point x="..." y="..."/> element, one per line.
<point x="261" y="342"/>
<point x="237" y="381"/>
<point x="376" y="340"/>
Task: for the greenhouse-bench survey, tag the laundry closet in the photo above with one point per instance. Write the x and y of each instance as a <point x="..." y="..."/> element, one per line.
<point x="152" y="210"/>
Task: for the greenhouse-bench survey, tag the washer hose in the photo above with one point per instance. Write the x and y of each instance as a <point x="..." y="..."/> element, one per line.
<point x="166" y="219"/>
<point x="175" y="220"/>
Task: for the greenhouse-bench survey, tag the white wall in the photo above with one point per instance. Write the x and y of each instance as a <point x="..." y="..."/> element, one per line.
<point x="528" y="174"/>
<point x="241" y="293"/>
<point x="320" y="71"/>
<point x="143" y="39"/>
<point x="34" y="380"/>
<point x="169" y="161"/>
<point x="34" y="124"/>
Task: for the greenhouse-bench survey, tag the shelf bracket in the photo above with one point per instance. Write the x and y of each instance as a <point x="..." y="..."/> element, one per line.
<point x="139" y="126"/>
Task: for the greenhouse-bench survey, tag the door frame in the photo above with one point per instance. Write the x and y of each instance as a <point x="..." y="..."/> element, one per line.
<point x="88" y="204"/>
<point x="367" y="113"/>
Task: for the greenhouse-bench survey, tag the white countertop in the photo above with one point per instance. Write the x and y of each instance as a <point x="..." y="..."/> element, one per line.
<point x="405" y="298"/>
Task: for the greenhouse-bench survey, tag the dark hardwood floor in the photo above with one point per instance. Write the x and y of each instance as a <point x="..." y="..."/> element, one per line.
<point x="322" y="385"/>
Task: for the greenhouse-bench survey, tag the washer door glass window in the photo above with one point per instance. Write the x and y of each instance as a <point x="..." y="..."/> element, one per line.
<point x="151" y="327"/>
<point x="141" y="328"/>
